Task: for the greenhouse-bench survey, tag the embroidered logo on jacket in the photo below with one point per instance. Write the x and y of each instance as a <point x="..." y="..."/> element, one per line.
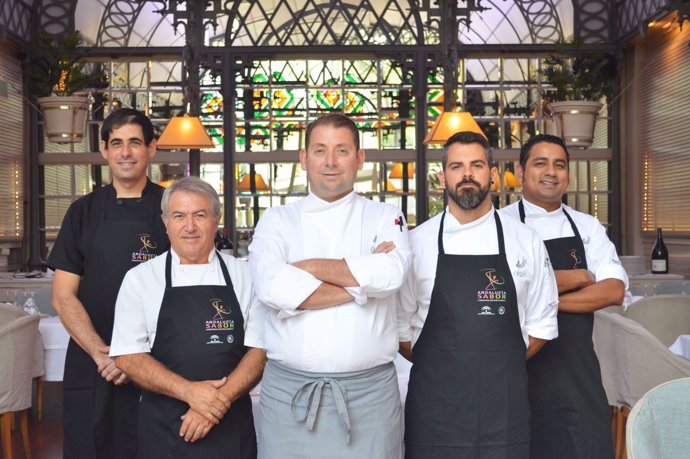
<point x="144" y="253"/>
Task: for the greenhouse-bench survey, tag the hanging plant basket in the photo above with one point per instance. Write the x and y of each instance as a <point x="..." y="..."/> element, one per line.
<point x="64" y="117"/>
<point x="574" y="121"/>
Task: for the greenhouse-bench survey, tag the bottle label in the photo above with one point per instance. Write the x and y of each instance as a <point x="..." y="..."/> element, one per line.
<point x="659" y="266"/>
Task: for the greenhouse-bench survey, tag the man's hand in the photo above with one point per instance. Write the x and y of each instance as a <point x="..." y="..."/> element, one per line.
<point x="205" y="398"/>
<point x="384" y="247"/>
<point x="107" y="368"/>
<point x="194" y="426"/>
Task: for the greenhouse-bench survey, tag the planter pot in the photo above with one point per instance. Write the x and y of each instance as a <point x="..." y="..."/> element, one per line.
<point x="574" y="121"/>
<point x="64" y="117"/>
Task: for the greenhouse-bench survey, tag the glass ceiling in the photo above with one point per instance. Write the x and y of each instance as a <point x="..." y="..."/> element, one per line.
<point x="132" y="23"/>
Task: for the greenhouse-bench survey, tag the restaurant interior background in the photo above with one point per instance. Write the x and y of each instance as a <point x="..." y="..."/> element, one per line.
<point x="256" y="72"/>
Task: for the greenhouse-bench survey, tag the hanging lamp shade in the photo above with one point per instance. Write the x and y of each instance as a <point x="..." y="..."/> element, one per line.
<point x="510" y="180"/>
<point x="449" y="123"/>
<point x="184" y="132"/>
<point x="397" y="171"/>
<point x="245" y="186"/>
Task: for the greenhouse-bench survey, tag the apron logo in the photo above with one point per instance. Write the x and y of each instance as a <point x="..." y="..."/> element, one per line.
<point x="144" y="254"/>
<point x="214" y="339"/>
<point x="230" y="339"/>
<point x="486" y="311"/>
<point x="490" y="293"/>
<point x="573" y="255"/>
<point x="501" y="310"/>
<point x="218" y="321"/>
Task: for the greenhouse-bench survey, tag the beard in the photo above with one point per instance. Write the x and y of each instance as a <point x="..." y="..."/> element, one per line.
<point x="469" y="198"/>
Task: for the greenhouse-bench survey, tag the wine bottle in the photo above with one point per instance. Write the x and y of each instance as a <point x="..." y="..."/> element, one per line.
<point x="659" y="255"/>
<point x="223" y="243"/>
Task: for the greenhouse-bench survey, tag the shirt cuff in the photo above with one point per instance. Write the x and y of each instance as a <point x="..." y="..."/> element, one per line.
<point x="358" y="294"/>
<point x="369" y="270"/>
<point x="127" y="350"/>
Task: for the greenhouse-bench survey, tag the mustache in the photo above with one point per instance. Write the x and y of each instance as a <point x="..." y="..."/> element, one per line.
<point x="468" y="181"/>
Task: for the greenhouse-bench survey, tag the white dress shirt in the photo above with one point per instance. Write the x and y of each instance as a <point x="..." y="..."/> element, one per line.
<point x="535" y="285"/>
<point x="353" y="336"/>
<point x="141" y="293"/>
<point x="602" y="259"/>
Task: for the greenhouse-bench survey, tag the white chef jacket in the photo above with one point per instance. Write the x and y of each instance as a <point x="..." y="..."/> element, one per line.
<point x="141" y="293"/>
<point x="353" y="336"/>
<point x="535" y="284"/>
<point x="602" y="259"/>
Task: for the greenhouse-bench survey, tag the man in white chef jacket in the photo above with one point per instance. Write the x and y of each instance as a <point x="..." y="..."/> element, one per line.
<point x="573" y="422"/>
<point x="480" y="299"/>
<point x="328" y="267"/>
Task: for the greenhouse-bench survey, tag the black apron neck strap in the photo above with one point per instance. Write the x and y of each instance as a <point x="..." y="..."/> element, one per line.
<point x="572" y="224"/>
<point x="521" y="209"/>
<point x="168" y="269"/>
<point x="440" y="235"/>
<point x="499" y="233"/>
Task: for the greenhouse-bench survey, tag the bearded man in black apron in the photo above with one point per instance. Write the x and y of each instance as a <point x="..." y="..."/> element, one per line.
<point x="480" y="299"/>
<point x="570" y="412"/>
<point x="103" y="235"/>
<point x="188" y="330"/>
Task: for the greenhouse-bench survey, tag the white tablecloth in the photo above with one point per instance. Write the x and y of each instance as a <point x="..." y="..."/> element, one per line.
<point x="55" y="339"/>
<point x="681" y="346"/>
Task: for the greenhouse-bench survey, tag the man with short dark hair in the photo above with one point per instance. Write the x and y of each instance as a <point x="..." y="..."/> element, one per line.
<point x="103" y="235"/>
<point x="570" y="413"/>
<point x="480" y="300"/>
<point x="327" y="267"/>
<point x="189" y="330"/>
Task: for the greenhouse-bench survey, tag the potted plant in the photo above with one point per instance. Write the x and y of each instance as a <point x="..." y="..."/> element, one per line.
<point x="579" y="82"/>
<point x="60" y="82"/>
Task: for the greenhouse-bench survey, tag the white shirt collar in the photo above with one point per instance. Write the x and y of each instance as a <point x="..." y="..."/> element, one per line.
<point x="452" y="225"/>
<point x="315" y="204"/>
<point x="535" y="209"/>
<point x="176" y="257"/>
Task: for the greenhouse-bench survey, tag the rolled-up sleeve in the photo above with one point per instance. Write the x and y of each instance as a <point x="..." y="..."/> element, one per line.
<point x="277" y="283"/>
<point x="602" y="255"/>
<point x="382" y="274"/>
<point x="130" y="333"/>
<point x="541" y="309"/>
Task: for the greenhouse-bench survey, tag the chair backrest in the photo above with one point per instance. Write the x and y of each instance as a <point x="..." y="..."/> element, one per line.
<point x="659" y="423"/>
<point x="665" y="316"/>
<point x="18" y="332"/>
<point x="632" y="360"/>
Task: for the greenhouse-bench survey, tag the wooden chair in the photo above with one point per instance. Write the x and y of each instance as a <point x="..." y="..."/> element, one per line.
<point x="18" y="332"/>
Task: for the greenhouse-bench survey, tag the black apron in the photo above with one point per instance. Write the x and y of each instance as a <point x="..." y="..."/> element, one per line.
<point x="570" y="412"/>
<point x="200" y="336"/>
<point x="467" y="395"/>
<point x="99" y="417"/>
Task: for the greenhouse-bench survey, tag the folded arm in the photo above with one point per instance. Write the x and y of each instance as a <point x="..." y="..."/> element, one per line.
<point x="569" y="280"/>
<point x="593" y="297"/>
<point x="534" y="345"/>
<point x="76" y="320"/>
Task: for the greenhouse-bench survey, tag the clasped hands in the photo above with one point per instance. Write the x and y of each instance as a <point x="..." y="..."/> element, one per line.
<point x="207" y="406"/>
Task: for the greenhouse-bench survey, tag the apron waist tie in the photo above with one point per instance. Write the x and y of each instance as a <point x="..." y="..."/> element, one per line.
<point x="312" y="392"/>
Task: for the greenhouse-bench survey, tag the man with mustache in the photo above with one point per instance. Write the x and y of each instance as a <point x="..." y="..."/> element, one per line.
<point x="570" y="412"/>
<point x="480" y="299"/>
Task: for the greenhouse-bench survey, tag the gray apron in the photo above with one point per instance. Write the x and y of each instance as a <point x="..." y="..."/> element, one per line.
<point x="353" y="415"/>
